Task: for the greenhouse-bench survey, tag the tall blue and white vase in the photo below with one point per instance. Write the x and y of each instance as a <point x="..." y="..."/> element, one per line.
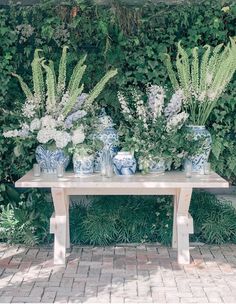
<point x="124" y="164"/>
<point x="200" y="133"/>
<point x="108" y="135"/>
<point x="50" y="159"/>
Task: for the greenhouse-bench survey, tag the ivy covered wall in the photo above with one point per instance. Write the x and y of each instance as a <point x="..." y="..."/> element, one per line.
<point x="133" y="39"/>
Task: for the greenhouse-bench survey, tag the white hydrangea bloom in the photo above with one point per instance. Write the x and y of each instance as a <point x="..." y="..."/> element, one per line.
<point x="78" y="136"/>
<point x="48" y="122"/>
<point x="176" y="121"/>
<point x="62" y="139"/>
<point x="156" y="96"/>
<point x="45" y="135"/>
<point x="35" y="124"/>
<point x="174" y="106"/>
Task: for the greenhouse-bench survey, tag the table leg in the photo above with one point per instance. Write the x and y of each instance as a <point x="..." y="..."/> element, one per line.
<point x="61" y="205"/>
<point x="182" y="219"/>
<point x="67" y="223"/>
<point x="174" y="231"/>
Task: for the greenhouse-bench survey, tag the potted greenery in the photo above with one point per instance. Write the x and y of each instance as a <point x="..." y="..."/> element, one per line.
<point x="83" y="147"/>
<point x="202" y="79"/>
<point x="55" y="108"/>
<point x="151" y="130"/>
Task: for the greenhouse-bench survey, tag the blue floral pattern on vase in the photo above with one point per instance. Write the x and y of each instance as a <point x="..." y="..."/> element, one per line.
<point x="124" y="164"/>
<point x="198" y="161"/>
<point x="108" y="135"/>
<point x="83" y="165"/>
<point x="49" y="160"/>
<point x="157" y="166"/>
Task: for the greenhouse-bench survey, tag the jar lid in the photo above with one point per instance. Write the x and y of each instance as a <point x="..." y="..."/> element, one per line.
<point x="105" y="120"/>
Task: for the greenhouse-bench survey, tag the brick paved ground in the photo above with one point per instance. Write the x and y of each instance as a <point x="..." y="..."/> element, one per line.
<point x="142" y="274"/>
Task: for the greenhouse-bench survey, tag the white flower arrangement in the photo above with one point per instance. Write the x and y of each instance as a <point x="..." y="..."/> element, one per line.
<point x="53" y="112"/>
<point x="151" y="128"/>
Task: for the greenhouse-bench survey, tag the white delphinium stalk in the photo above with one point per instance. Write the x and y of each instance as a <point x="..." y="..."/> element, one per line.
<point x="174" y="106"/>
<point x="176" y="121"/>
<point x="123" y="103"/>
<point x="140" y="108"/>
<point x="156" y="96"/>
<point x="48" y="122"/>
<point x="35" y="124"/>
<point x="62" y="139"/>
<point x="24" y="131"/>
<point x="31" y="107"/>
<point x="64" y="100"/>
<point x="11" y="133"/>
<point x="78" y="136"/>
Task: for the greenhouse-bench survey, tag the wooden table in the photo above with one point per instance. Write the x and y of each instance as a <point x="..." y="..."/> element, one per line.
<point x="170" y="183"/>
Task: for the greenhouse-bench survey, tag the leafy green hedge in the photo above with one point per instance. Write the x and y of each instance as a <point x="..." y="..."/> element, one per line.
<point x="131" y="39"/>
<point x="24" y="218"/>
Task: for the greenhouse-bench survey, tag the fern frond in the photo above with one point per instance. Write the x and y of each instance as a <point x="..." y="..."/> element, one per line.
<point x="221" y="70"/>
<point x="214" y="60"/>
<point x="51" y="65"/>
<point x="24" y="87"/>
<point x="204" y="68"/>
<point x="171" y="72"/>
<point x="185" y="67"/>
<point x="76" y="79"/>
<point x="195" y="70"/>
<point x="223" y="76"/>
<point x="233" y="52"/>
<point x="181" y="75"/>
<point x="99" y="86"/>
<point x="51" y="94"/>
<point x="62" y="72"/>
<point x="77" y="74"/>
<point x="37" y="74"/>
<point x="72" y="101"/>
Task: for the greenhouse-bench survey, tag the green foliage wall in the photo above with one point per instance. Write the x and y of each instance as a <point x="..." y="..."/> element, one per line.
<point x="131" y="39"/>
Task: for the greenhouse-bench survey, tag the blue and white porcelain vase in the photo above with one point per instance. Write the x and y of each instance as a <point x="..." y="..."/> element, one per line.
<point x="108" y="135"/>
<point x="50" y="159"/>
<point x="83" y="165"/>
<point x="200" y="159"/>
<point x="157" y="166"/>
<point x="124" y="163"/>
